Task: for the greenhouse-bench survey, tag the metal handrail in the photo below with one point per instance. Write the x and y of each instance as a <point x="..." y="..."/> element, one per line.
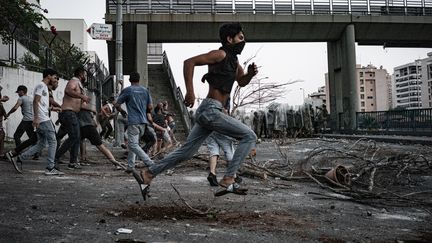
<point x="176" y="92"/>
<point x="277" y="7"/>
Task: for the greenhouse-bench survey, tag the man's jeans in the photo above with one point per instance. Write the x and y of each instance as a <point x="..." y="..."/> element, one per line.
<point x="120" y="127"/>
<point x="208" y="118"/>
<point x="45" y="135"/>
<point x="216" y="142"/>
<point x="135" y="132"/>
<point x="24" y="126"/>
<point x="32" y="140"/>
<point x="149" y="138"/>
<point x="69" y="121"/>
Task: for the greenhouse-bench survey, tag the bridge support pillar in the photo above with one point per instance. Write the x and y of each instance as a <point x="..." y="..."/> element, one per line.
<point x="343" y="81"/>
<point x="141" y="53"/>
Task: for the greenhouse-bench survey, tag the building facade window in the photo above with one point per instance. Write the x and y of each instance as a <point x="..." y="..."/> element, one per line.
<point x="361" y="89"/>
<point x="429" y="71"/>
<point x="362" y="104"/>
<point x="362" y="96"/>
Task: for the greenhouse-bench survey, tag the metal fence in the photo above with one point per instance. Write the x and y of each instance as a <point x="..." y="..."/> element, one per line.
<point x="308" y="7"/>
<point x="415" y="120"/>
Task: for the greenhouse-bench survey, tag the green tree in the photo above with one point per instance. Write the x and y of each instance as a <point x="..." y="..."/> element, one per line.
<point x="66" y="58"/>
<point x="62" y="57"/>
<point x="18" y="14"/>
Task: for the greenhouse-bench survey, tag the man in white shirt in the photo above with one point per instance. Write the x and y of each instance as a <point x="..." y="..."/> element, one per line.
<point x="42" y="124"/>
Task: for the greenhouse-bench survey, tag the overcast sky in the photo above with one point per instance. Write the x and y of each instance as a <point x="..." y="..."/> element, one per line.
<point x="280" y="62"/>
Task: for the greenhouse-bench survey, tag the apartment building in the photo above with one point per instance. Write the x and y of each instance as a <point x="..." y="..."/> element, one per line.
<point x="374" y="88"/>
<point x="407" y="85"/>
<point x="319" y="98"/>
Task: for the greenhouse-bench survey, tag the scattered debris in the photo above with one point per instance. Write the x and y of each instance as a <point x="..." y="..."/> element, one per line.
<point x="123" y="231"/>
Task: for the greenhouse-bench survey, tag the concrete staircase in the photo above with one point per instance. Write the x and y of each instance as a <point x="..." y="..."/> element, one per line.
<point x="161" y="90"/>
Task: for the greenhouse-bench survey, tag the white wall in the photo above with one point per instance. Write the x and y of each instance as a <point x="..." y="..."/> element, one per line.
<point x="77" y="28"/>
<point x="10" y="79"/>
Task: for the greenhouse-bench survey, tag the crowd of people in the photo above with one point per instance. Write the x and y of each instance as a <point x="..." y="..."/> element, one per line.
<point x="140" y="119"/>
<point x="79" y="120"/>
<point x="281" y="120"/>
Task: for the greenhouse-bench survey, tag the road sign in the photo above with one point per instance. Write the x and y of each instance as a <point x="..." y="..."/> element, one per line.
<point x="100" y="31"/>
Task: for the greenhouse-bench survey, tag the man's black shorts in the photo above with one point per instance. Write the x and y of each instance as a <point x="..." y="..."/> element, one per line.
<point x="91" y="134"/>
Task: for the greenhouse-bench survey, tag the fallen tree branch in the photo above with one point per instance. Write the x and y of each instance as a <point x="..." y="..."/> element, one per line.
<point x="371" y="179"/>
<point x="272" y="173"/>
<point x="251" y="172"/>
<point x="415" y="193"/>
<point x="188" y="205"/>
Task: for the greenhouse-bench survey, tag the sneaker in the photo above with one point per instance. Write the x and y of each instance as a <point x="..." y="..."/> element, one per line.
<point x="212" y="179"/>
<point x="13" y="160"/>
<point x="74" y="166"/>
<point x="53" y="171"/>
<point x="123" y="146"/>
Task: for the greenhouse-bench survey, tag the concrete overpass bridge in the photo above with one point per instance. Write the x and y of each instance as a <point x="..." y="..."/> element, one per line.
<point x="340" y="23"/>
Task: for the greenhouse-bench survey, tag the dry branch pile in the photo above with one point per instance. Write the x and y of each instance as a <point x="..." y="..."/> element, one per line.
<point x="378" y="174"/>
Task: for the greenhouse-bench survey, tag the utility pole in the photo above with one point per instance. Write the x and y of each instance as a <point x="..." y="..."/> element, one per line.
<point x="119" y="49"/>
<point x="119" y="59"/>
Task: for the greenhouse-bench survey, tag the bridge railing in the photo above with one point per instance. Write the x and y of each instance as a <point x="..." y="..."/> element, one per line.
<point x="276" y="7"/>
<point x="415" y="121"/>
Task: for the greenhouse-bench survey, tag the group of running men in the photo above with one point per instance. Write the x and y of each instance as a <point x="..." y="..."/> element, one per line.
<point x="76" y="117"/>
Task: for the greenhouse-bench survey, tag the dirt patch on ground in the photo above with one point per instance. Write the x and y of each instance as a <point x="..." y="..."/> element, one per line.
<point x="270" y="220"/>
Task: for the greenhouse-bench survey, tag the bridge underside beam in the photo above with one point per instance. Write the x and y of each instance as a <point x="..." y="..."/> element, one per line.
<point x="388" y="31"/>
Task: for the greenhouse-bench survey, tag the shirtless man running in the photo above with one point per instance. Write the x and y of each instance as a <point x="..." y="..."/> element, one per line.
<point x="73" y="97"/>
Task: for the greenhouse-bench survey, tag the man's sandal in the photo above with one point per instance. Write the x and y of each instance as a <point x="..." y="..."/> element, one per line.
<point x="145" y="188"/>
<point x="232" y="188"/>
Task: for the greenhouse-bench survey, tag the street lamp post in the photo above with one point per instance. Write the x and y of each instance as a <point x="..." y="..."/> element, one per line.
<point x="48" y="49"/>
<point x="259" y="94"/>
<point x="259" y="91"/>
<point x="303" y="95"/>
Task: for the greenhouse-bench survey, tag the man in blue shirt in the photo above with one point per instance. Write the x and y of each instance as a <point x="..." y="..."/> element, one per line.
<point x="138" y="103"/>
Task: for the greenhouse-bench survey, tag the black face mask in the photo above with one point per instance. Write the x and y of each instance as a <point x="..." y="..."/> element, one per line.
<point x="237" y="48"/>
